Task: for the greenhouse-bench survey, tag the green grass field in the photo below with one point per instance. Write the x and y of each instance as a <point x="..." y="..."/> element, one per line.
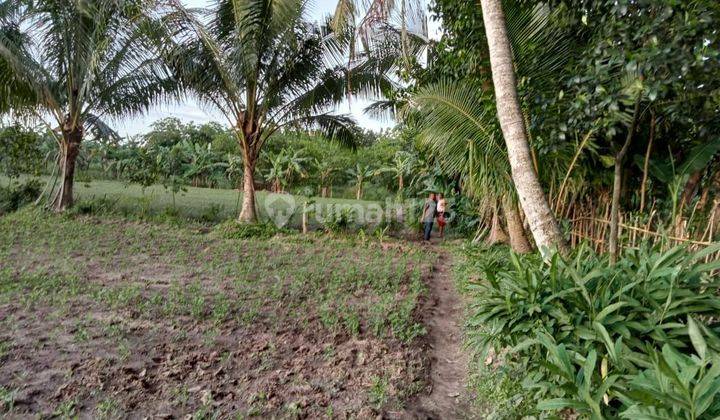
<point x="214" y="204"/>
<point x="193" y="202"/>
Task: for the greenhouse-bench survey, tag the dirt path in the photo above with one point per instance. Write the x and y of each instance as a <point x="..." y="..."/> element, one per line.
<point x="449" y="397"/>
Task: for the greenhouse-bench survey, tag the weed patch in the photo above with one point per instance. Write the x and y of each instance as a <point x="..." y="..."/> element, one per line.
<point x="234" y="230"/>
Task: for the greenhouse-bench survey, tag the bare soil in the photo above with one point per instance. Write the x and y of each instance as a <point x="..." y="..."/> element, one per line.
<point x="448" y="397"/>
<point x="112" y="319"/>
<point x="103" y="320"/>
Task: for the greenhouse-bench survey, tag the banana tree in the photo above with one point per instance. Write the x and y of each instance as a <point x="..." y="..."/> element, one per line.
<point x="283" y="166"/>
<point x="203" y="162"/>
<point x="261" y="65"/>
<point x="402" y="165"/>
<point x="360" y="173"/>
<point x="75" y="63"/>
<point x="137" y="164"/>
<point x="324" y="170"/>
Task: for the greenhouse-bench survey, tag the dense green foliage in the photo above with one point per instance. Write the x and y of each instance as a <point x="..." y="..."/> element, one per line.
<point x="621" y="100"/>
<point x="602" y="339"/>
<point x="583" y="69"/>
<point x="21" y="151"/>
<point x="180" y="155"/>
<point x="17" y="195"/>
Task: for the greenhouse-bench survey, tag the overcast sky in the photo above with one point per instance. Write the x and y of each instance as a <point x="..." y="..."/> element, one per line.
<point x="191" y="111"/>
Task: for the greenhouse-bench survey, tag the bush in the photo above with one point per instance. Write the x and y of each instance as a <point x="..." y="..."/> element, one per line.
<point x="16" y="196"/>
<point x="628" y="339"/>
<point x="341" y="220"/>
<point x="212" y="213"/>
<point x="234" y="230"/>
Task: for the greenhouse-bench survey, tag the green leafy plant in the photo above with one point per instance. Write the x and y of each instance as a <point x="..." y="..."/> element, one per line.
<point x="212" y="213"/>
<point x="339" y="220"/>
<point x="16" y="196"/>
<point x="584" y="330"/>
<point x="234" y="230"/>
<point x="678" y="385"/>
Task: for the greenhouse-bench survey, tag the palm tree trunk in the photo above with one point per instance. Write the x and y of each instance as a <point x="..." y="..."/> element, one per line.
<point x="247" y="212"/>
<point x="518" y="241"/>
<point x="497" y="234"/>
<point x="70" y="149"/>
<point x="543" y="224"/>
<point x="617" y="187"/>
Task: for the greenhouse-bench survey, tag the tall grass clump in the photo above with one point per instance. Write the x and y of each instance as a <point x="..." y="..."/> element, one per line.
<point x="635" y="339"/>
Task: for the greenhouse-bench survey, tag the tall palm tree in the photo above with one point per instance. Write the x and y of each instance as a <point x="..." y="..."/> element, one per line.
<point x="458" y="120"/>
<point x="543" y="224"/>
<point x="265" y="68"/>
<point x="77" y="62"/>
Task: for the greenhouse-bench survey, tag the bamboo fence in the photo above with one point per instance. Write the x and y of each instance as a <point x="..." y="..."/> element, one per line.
<point x="591" y="222"/>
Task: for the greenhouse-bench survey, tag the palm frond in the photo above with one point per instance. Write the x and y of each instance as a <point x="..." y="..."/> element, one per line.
<point x="78" y="59"/>
<point x="383" y="109"/>
<point x="539" y="48"/>
<point x="458" y="125"/>
<point x="341" y="129"/>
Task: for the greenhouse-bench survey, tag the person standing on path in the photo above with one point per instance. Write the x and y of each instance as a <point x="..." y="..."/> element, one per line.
<point x="428" y="216"/>
<point x="441" y="208"/>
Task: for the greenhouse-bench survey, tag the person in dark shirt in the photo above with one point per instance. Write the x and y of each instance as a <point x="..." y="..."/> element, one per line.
<point x="428" y="216"/>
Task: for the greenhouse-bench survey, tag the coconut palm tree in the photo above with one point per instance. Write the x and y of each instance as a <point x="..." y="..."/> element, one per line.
<point x="75" y="63"/>
<point x="458" y="120"/>
<point x="265" y="68"/>
<point x="457" y="123"/>
<point x="543" y="224"/>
